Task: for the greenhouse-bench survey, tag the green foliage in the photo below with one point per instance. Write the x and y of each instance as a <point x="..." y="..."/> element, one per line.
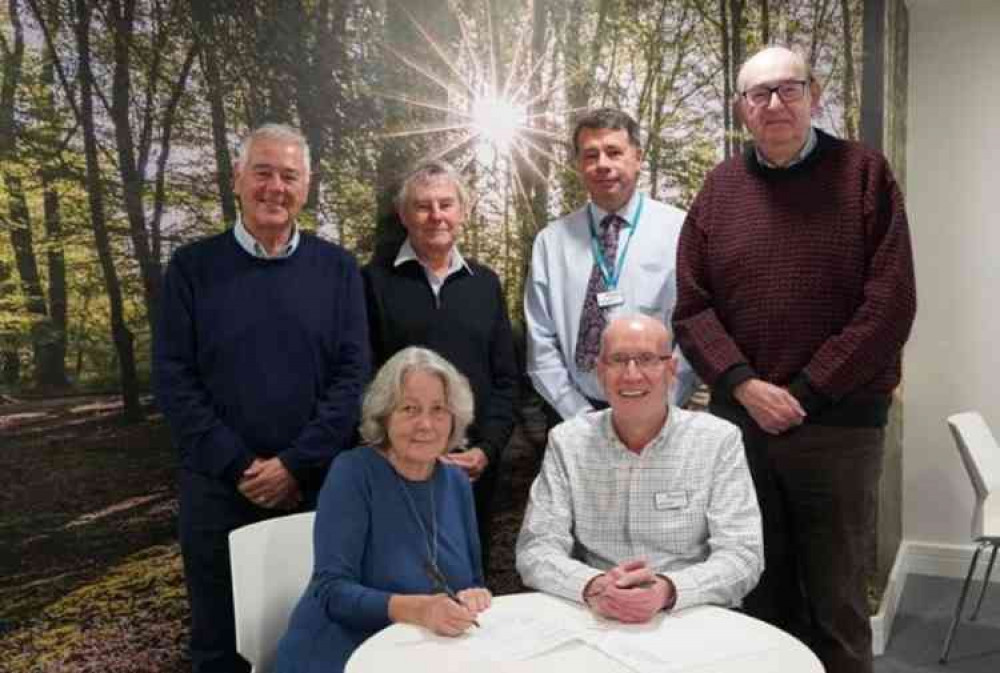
<point x="351" y="77"/>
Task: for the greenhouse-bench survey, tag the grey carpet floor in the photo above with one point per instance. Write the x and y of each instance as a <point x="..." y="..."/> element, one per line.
<point x="922" y="621"/>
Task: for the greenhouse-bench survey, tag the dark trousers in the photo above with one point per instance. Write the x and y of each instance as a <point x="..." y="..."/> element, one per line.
<point x="817" y="489"/>
<point x="209" y="510"/>
<point x="484" y="490"/>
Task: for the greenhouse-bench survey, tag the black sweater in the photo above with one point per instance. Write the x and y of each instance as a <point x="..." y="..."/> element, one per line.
<point x="469" y="327"/>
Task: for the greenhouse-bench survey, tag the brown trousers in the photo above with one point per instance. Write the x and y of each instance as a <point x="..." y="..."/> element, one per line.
<point x="817" y="489"/>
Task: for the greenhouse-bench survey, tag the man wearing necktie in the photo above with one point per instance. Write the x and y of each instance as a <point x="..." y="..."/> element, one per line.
<point x="613" y="256"/>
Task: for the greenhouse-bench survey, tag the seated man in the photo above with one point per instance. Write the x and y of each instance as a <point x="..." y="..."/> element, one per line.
<point x="643" y="506"/>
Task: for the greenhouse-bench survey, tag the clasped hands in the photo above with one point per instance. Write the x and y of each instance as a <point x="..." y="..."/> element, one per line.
<point x="630" y="592"/>
<point x="772" y="407"/>
<point x="268" y="483"/>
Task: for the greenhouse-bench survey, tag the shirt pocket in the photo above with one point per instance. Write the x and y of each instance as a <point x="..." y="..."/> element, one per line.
<point x="655" y="292"/>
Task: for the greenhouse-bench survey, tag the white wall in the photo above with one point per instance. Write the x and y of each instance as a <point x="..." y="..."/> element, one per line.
<point x="952" y="362"/>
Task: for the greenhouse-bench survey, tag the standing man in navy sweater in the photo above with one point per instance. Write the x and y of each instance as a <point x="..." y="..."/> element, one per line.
<point x="429" y="295"/>
<point x="259" y="360"/>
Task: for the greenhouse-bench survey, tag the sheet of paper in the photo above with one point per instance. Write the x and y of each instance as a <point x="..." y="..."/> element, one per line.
<point x="686" y="642"/>
<point x="518" y="638"/>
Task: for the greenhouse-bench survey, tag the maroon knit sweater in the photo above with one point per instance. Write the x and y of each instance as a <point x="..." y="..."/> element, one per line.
<point x="802" y="277"/>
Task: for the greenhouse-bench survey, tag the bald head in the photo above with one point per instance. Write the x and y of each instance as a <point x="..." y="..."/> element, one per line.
<point x="768" y="60"/>
<point x="634" y="326"/>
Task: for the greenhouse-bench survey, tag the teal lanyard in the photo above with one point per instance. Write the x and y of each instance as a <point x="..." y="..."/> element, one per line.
<point x="611" y="281"/>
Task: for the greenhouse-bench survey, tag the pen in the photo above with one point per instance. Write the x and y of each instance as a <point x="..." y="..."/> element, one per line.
<point x="437" y="577"/>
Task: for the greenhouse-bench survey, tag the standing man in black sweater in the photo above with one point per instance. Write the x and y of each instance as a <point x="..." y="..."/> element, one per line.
<point x="259" y="358"/>
<point x="429" y="295"/>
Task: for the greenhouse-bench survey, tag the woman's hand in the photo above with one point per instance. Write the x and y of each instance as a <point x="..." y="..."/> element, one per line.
<point x="445" y="617"/>
<point x="476" y="599"/>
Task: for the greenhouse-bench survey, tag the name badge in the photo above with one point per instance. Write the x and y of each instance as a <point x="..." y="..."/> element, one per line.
<point x="610" y="298"/>
<point x="670" y="499"/>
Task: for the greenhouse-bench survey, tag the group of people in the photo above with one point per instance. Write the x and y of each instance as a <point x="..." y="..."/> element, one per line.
<point x="789" y="287"/>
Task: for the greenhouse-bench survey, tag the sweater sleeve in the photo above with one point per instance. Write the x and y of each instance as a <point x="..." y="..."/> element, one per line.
<point x="881" y="324"/>
<point x="331" y="428"/>
<point x="340" y="537"/>
<point x="498" y="421"/>
<point x="700" y="333"/>
<point x="209" y="445"/>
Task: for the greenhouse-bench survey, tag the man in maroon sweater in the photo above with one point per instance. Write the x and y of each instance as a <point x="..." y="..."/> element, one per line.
<point x="795" y="297"/>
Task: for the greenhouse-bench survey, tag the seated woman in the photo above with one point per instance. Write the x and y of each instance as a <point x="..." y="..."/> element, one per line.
<point x="393" y="524"/>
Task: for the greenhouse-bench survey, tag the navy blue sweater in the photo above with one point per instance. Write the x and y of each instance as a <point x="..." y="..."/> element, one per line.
<point x="256" y="357"/>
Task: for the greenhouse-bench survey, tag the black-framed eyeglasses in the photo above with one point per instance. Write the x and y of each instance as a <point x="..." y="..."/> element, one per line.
<point x="641" y="360"/>
<point x="788" y="91"/>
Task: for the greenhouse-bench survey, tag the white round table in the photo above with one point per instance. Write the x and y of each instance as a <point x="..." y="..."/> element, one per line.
<point x="538" y="633"/>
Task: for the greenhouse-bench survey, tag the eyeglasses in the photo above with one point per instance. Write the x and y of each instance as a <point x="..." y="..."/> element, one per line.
<point x="643" y="361"/>
<point x="788" y="92"/>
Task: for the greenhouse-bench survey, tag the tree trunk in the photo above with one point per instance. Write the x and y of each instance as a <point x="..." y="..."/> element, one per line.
<point x="534" y="201"/>
<point x="47" y="356"/>
<point x="205" y="38"/>
<point x="736" y="50"/>
<point x="727" y="91"/>
<point x="54" y="373"/>
<point x="166" y="133"/>
<point x="19" y="220"/>
<point x="765" y="23"/>
<point x="850" y="106"/>
<point x="131" y="167"/>
<point x="120" y="334"/>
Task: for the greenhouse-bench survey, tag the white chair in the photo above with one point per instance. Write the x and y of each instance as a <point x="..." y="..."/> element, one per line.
<point x="981" y="457"/>
<point x="271" y="562"/>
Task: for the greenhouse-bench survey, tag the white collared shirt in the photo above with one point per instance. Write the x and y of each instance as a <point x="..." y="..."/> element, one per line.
<point x="799" y="158"/>
<point x="255" y="249"/>
<point x="685" y="503"/>
<point x="455" y="264"/>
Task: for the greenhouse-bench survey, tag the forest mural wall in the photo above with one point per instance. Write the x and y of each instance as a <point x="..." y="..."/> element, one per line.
<point x="119" y="121"/>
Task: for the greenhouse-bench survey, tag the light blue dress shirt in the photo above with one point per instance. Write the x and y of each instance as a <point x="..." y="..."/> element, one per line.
<point x="556" y="286"/>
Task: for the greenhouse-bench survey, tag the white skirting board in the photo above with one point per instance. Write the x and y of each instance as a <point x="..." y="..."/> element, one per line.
<point x="921" y="558"/>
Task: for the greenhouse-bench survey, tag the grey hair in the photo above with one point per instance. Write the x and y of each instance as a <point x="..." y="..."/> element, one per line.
<point x="385" y="394"/>
<point x="273" y="131"/>
<point x="608" y="118"/>
<point x="425" y="172"/>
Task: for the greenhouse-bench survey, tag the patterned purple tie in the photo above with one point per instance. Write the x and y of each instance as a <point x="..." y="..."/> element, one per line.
<point x="592" y="318"/>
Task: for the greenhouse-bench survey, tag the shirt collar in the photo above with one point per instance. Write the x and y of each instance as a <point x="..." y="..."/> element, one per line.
<point x="626" y="212"/>
<point x="612" y="435"/>
<point x="799" y="158"/>
<point x="408" y="254"/>
<point x="255" y="249"/>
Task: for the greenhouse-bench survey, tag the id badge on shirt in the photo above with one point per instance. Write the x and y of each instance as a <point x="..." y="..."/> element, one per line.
<point x="610" y="298"/>
<point x="670" y="500"/>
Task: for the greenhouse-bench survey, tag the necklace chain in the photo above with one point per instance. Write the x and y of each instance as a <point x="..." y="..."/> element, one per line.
<point x="430" y="541"/>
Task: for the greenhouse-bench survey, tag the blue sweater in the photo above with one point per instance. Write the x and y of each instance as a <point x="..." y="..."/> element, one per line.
<point x="369" y="546"/>
<point x="255" y="357"/>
